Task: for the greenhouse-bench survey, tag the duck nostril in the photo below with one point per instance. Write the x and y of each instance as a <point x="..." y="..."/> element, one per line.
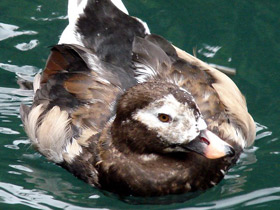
<point x="205" y="140"/>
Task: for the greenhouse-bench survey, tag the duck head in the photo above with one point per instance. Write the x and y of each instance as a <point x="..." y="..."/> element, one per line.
<point x="156" y="117"/>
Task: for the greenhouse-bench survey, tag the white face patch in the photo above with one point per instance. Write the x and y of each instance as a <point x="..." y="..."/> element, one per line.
<point x="183" y="126"/>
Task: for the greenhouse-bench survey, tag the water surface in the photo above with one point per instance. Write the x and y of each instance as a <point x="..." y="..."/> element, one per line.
<point x="239" y="34"/>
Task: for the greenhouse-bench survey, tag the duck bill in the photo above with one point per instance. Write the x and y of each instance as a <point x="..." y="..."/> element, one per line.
<point x="210" y="145"/>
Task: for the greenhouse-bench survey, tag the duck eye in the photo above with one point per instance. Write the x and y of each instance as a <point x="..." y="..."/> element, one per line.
<point x="164" y="118"/>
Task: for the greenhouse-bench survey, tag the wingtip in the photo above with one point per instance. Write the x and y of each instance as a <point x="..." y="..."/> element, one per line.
<point x="24" y="111"/>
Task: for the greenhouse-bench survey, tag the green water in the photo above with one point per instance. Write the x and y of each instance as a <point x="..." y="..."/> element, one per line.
<point x="242" y="34"/>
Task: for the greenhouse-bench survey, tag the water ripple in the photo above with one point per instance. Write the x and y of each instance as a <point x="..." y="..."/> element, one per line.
<point x="16" y="143"/>
<point x="209" y="51"/>
<point x="21" y="168"/>
<point x="50" y="19"/>
<point x="10" y="101"/>
<point x="262" y="200"/>
<point x="30" y="70"/>
<point x="14" y="194"/>
<point x="8" y="31"/>
<point x="248" y="199"/>
<point x="27" y="46"/>
<point x="8" y="131"/>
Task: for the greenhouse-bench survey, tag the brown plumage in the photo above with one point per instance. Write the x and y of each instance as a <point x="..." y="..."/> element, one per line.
<point x="96" y="113"/>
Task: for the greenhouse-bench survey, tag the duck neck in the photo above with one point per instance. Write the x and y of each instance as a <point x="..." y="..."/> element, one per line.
<point x="140" y="172"/>
<point x="122" y="139"/>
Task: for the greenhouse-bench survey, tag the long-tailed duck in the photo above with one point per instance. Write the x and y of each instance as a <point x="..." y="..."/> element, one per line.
<point x="126" y="111"/>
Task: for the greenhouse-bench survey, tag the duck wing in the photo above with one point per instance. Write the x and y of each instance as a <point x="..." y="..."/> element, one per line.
<point x="241" y="124"/>
<point x="84" y="75"/>
<point x="220" y="101"/>
<point x="74" y="99"/>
